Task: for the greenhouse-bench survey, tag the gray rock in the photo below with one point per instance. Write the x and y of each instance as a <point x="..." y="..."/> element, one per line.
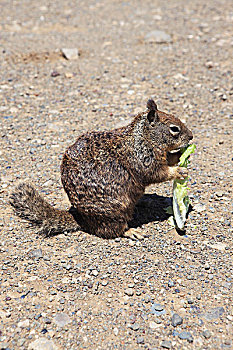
<point x="158" y="37"/>
<point x="53" y="292"/>
<point x="115" y="331"/>
<point x="171" y="284"/>
<point x="166" y="344"/>
<point x="158" y="320"/>
<point x="190" y="301"/>
<point x="24" y="324"/>
<point x="104" y="283"/>
<point x="176" y="320"/>
<point x="47" y="320"/>
<point x="153" y="325"/>
<point x="70" y="54"/>
<point x="67" y="267"/>
<point x="206" y="334"/>
<point x="134" y="326"/>
<point x="36" y="253"/>
<point x="21" y="341"/>
<point x="186" y="336"/>
<point x="131" y="285"/>
<point x="157" y="309"/>
<point x="46" y="258"/>
<point x="42" y="344"/>
<point x="37" y="317"/>
<point x="213" y="313"/>
<point x="140" y="340"/>
<point x="227" y="342"/>
<point x="129" y="292"/>
<point x="62" y="319"/>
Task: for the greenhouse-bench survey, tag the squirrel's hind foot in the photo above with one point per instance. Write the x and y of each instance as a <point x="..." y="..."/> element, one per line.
<point x="133" y="234"/>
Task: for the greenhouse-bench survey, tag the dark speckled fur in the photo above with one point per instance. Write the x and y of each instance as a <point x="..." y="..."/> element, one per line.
<point x="105" y="173"/>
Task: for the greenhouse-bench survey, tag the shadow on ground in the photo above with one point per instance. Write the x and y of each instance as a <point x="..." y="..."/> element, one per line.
<point x="151" y="207"/>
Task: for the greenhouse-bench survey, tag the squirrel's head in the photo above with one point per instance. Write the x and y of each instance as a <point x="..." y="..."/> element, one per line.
<point x="165" y="129"/>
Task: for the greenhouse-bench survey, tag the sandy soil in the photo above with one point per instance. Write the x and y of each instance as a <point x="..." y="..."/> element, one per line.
<point x="76" y="291"/>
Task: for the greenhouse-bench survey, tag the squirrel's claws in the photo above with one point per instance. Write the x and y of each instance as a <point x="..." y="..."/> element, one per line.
<point x="181" y="173"/>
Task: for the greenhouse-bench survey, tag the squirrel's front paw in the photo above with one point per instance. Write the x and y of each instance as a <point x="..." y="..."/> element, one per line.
<point x="181" y="173"/>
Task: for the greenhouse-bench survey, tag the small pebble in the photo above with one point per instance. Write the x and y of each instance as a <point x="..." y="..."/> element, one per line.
<point x="47" y="320"/>
<point x="36" y="253"/>
<point x="129" y="292"/>
<point x="104" y="282"/>
<point x="134" y="326"/>
<point x="166" y="344"/>
<point x="176" y="320"/>
<point x="23" y="324"/>
<point x="70" y="54"/>
<point x="21" y="341"/>
<point x="37" y="317"/>
<point x="42" y="344"/>
<point x="61" y="319"/>
<point x="115" y="331"/>
<point x="131" y="285"/>
<point x="153" y="325"/>
<point x="54" y="74"/>
<point x="213" y="313"/>
<point x="206" y="334"/>
<point x="140" y="340"/>
<point x="227" y="342"/>
<point x="186" y="336"/>
<point x="171" y="284"/>
<point x="67" y="267"/>
<point x="157" y="307"/>
<point x="158" y="37"/>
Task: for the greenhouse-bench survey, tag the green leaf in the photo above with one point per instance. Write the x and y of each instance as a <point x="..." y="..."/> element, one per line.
<point x="186" y="153"/>
<point x="171" y="221"/>
<point x="180" y="203"/>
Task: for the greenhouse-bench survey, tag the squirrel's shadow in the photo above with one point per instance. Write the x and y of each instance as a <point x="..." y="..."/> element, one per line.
<point x="151" y="207"/>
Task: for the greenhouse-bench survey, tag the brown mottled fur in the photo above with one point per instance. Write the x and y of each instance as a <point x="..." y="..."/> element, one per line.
<point x="105" y="173"/>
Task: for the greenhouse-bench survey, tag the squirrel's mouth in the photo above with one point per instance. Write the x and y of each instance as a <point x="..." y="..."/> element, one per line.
<point x="176" y="150"/>
<point x="173" y="156"/>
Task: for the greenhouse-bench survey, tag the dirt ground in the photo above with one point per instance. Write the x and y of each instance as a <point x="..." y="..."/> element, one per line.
<point x="76" y="291"/>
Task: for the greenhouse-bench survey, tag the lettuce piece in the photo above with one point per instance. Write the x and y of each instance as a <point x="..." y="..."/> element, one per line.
<point x="184" y="161"/>
<point x="180" y="203"/>
<point x="171" y="221"/>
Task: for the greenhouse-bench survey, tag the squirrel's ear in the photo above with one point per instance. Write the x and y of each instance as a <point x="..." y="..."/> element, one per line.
<point x="152" y="116"/>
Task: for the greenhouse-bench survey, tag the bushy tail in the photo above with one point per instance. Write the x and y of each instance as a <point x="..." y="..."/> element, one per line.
<point x="31" y="206"/>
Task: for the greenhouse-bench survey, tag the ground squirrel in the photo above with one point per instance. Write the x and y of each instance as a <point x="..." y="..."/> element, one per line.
<point x="105" y="174"/>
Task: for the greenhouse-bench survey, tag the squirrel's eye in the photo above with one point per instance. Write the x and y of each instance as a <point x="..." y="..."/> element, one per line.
<point x="174" y="129"/>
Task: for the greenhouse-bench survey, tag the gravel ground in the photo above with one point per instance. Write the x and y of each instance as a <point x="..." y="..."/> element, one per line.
<point x="77" y="291"/>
